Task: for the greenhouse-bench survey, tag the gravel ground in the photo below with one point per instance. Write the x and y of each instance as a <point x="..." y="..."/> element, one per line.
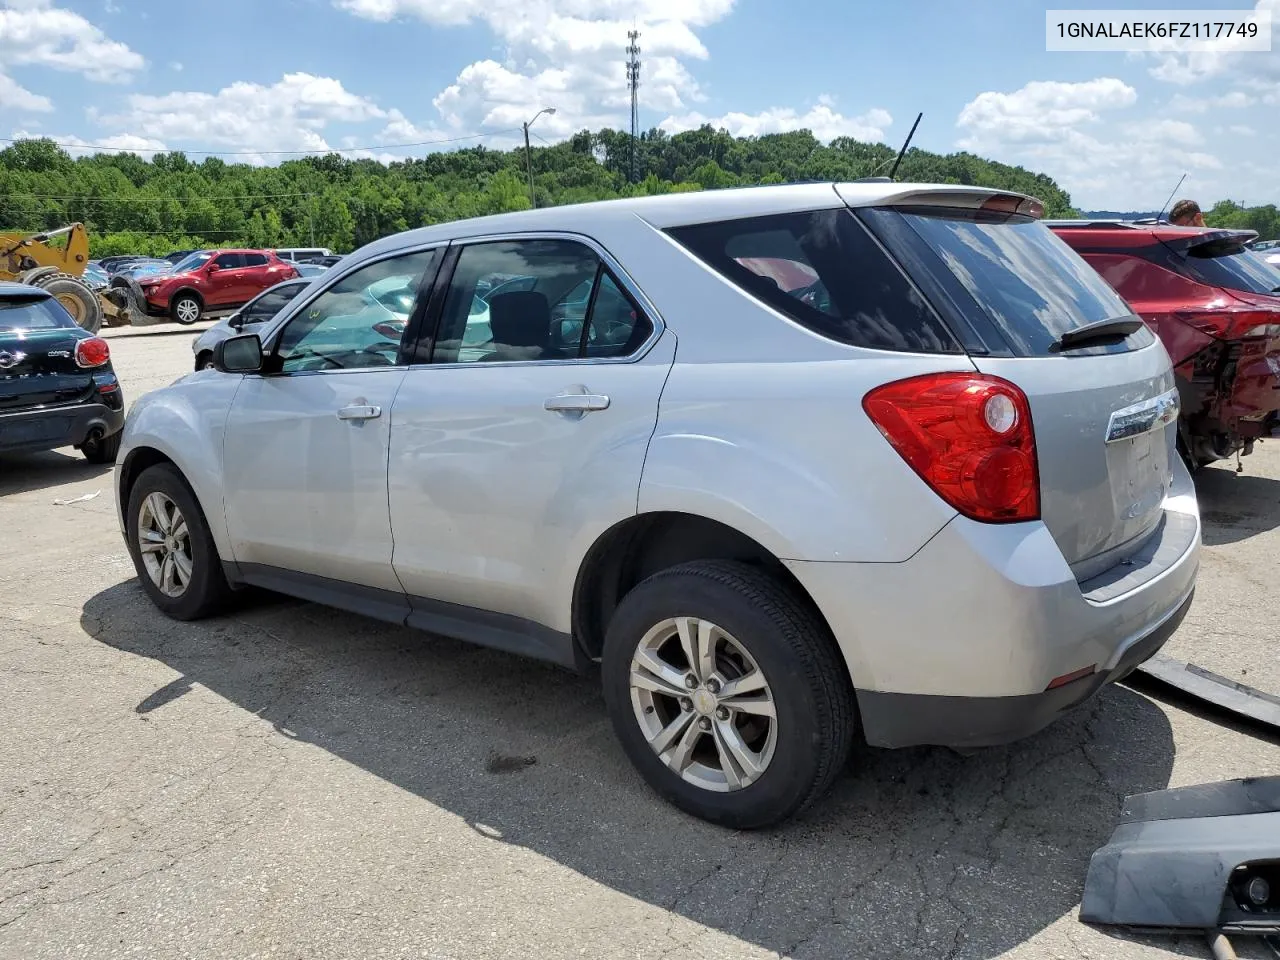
<point x="293" y="782"/>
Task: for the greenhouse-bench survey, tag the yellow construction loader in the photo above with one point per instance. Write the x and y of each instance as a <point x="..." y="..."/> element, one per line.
<point x="30" y="258"/>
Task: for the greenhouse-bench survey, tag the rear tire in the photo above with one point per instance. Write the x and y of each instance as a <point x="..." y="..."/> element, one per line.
<point x="102" y="449"/>
<point x="205" y="360"/>
<point x="185" y="309"/>
<point x="814" y="715"/>
<point x="76" y="298"/>
<point x="180" y="571"/>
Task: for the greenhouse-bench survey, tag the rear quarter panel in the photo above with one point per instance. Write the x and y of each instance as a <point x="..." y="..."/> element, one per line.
<point x="761" y="425"/>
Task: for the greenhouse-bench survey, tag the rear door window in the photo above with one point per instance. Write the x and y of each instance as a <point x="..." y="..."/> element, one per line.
<point x="1022" y="277"/>
<point x="824" y="271"/>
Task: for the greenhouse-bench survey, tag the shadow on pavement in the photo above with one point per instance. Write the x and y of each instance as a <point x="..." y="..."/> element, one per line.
<point x="1235" y="507"/>
<point x="914" y="853"/>
<point x="29" y="472"/>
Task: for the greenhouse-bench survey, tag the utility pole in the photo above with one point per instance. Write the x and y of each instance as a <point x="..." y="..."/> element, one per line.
<point x="633" y="83"/>
<point x="528" y="152"/>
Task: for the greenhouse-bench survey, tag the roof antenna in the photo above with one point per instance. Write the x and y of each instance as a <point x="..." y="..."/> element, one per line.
<point x="1160" y="215"/>
<point x="903" y="152"/>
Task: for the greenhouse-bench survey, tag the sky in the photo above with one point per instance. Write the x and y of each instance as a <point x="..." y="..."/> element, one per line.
<point x="251" y="79"/>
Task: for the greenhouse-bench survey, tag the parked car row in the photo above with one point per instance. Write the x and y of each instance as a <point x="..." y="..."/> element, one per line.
<point x="188" y="285"/>
<point x="882" y="391"/>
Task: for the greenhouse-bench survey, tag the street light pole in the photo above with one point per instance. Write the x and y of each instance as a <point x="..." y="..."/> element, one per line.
<point x="528" y="152"/>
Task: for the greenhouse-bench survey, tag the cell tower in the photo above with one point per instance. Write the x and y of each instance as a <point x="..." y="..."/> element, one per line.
<point x="633" y="83"/>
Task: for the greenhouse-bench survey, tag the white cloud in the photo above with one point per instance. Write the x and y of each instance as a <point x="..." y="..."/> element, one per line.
<point x="288" y="115"/>
<point x="34" y="32"/>
<point x="564" y="53"/>
<point x="1241" y="130"/>
<point x="145" y="146"/>
<point x="823" y="120"/>
<point x="1235" y="100"/>
<point x="1040" y="110"/>
<point x="1080" y="134"/>
<point x="1193" y="66"/>
<point x="175" y="66"/>
<point x="17" y="97"/>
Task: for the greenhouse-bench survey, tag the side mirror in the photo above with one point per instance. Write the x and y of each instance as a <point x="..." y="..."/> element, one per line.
<point x="235" y="321"/>
<point x="242" y="354"/>
<point x="212" y="268"/>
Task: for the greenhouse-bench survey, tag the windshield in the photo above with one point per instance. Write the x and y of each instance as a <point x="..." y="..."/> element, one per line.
<point x="1241" y="270"/>
<point x="1028" y="281"/>
<point x="42" y="314"/>
<point x="193" y="262"/>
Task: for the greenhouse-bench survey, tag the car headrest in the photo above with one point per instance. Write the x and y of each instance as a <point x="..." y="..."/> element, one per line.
<point x="521" y="318"/>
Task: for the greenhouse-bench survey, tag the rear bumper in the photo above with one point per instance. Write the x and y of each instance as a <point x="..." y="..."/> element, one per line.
<point x="958" y="645"/>
<point x="29" y="430"/>
<point x="905" y="719"/>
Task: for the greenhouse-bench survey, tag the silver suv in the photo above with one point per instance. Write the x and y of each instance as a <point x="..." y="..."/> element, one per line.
<point x="790" y="465"/>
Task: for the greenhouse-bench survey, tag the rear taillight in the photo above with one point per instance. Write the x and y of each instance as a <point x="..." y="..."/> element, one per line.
<point x="969" y="437"/>
<point x="93" y="352"/>
<point x="1233" y="324"/>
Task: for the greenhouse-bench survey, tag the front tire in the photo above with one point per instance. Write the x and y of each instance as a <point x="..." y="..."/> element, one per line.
<point x="728" y="693"/>
<point x="185" y="309"/>
<point x="172" y="549"/>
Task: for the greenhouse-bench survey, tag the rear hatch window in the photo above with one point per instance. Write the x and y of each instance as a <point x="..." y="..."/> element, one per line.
<point x="43" y="313"/>
<point x="1232" y="267"/>
<point x="1017" y="284"/>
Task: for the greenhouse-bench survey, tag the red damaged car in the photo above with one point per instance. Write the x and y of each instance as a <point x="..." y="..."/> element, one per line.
<point x="211" y="281"/>
<point x="1216" y="306"/>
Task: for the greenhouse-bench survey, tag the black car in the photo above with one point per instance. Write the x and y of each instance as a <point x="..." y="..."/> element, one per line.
<point x="57" y="387"/>
<point x="177" y="256"/>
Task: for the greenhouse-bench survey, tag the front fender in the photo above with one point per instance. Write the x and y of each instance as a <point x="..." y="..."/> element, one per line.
<point x="185" y="422"/>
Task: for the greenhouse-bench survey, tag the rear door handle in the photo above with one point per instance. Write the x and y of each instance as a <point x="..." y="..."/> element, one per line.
<point x="576" y="403"/>
<point x="360" y="412"/>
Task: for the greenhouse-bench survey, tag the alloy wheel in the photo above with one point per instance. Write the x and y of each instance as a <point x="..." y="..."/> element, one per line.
<point x="703" y="704"/>
<point x="165" y="544"/>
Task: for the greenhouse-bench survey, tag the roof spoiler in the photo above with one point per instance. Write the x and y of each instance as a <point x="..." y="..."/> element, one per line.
<point x="966" y="198"/>
<point x="1211" y="243"/>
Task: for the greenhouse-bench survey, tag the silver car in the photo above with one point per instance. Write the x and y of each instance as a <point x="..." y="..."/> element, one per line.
<point x="790" y="466"/>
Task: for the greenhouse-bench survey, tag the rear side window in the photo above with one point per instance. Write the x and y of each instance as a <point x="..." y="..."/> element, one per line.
<point x="255" y="260"/>
<point x="43" y="314"/>
<point x="827" y="273"/>
<point x="1024" y="278"/>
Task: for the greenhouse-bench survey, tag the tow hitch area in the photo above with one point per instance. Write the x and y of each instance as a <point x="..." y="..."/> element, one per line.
<point x="1248" y="704"/>
<point x="1193" y="858"/>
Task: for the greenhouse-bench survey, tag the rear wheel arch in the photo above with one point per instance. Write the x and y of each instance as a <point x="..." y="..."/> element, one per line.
<point x="633" y="550"/>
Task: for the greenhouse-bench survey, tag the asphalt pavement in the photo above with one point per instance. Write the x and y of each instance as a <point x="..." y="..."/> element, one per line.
<point x="293" y="782"/>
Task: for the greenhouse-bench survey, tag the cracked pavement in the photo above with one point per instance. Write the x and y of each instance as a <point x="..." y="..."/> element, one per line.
<point x="290" y="781"/>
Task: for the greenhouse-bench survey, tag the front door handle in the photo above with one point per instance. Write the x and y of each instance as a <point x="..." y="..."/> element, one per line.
<point x="360" y="412"/>
<point x="576" y="403"/>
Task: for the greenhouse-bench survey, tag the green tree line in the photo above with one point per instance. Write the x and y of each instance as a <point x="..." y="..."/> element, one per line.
<point x="132" y="205"/>
<point x="1228" y="213"/>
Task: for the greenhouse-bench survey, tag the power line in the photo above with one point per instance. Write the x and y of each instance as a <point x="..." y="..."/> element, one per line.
<point x="263" y="196"/>
<point x="267" y="153"/>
